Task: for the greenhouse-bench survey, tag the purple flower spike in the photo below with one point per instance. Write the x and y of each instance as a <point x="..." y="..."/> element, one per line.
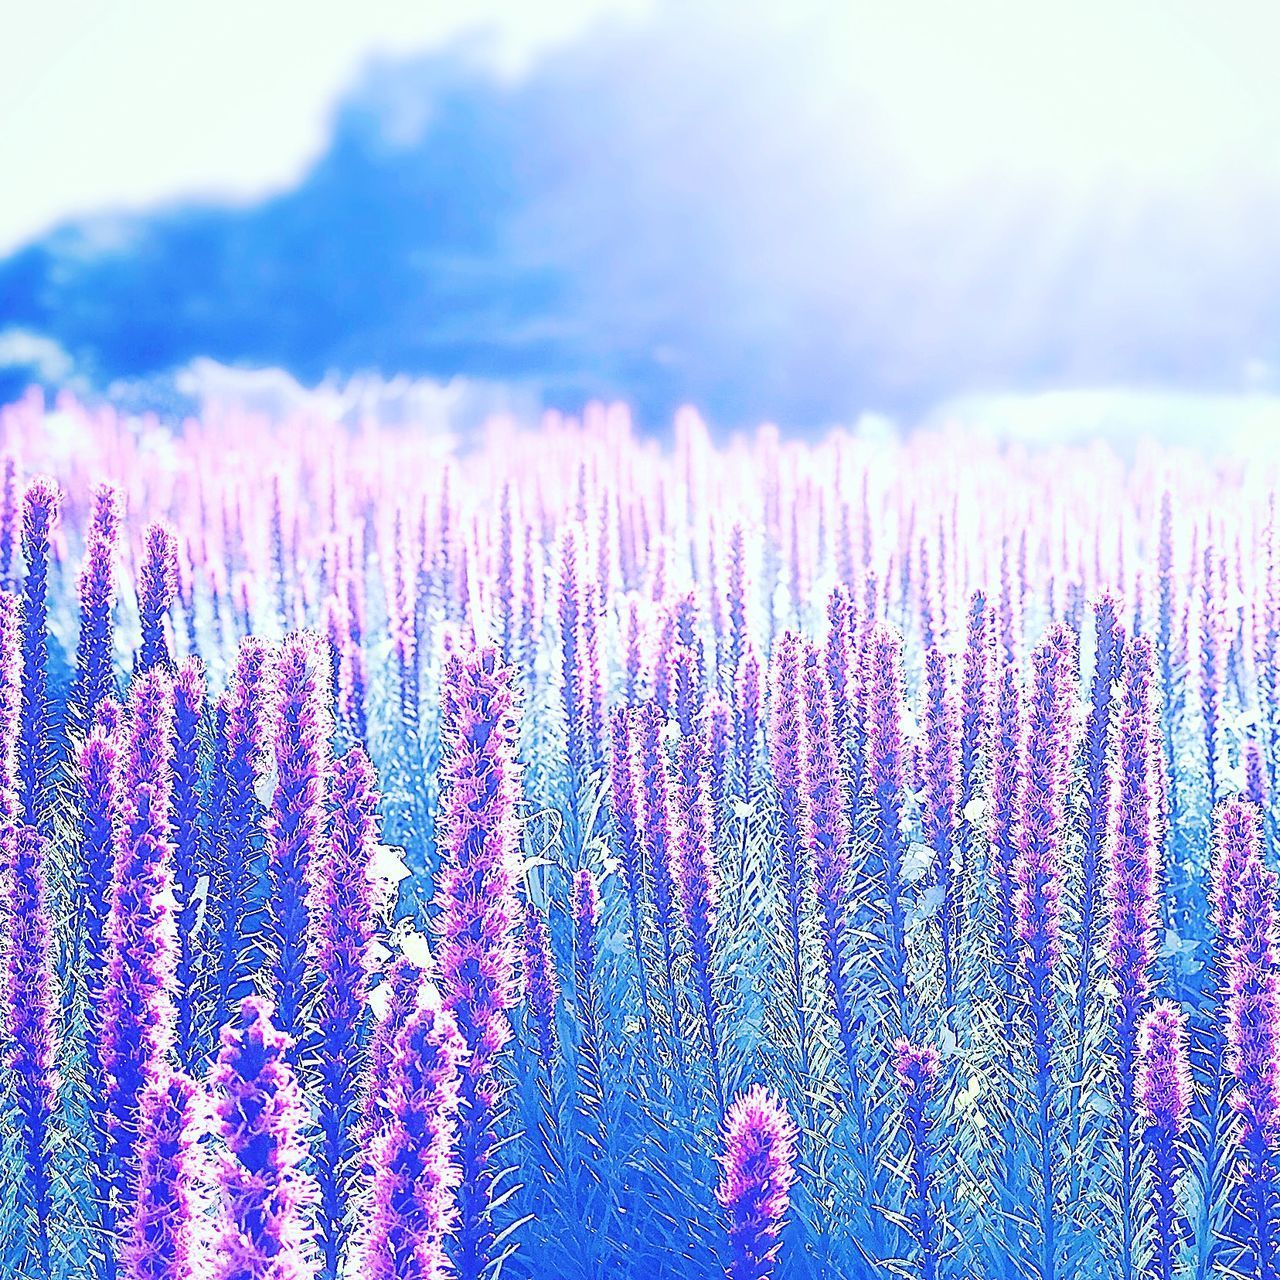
<point x="659" y="854"/>
<point x="757" y="1163"/>
<point x="1134" y="874"/>
<point x="1132" y="886"/>
<point x="343" y="925"/>
<point x="95" y="679"/>
<point x="746" y="723"/>
<point x="940" y="770"/>
<point x="40" y="507"/>
<point x="416" y="1175"/>
<point x="98" y="765"/>
<point x="916" y="1067"/>
<point x="795" y="862"/>
<point x="31" y="1050"/>
<point x="827" y="837"/>
<point x="1164" y="1102"/>
<point x="157" y="589"/>
<point x="479" y="845"/>
<point x="1038" y="895"/>
<point x="244" y="732"/>
<point x="137" y="1004"/>
<point x="1005" y="792"/>
<point x="265" y="1194"/>
<point x="584" y="908"/>
<point x="541" y="986"/>
<point x="162" y="1240"/>
<point x="887" y="782"/>
<point x="697" y="882"/>
<point x="188" y="859"/>
<point x="626" y="833"/>
<point x="296" y="821"/>
<point x="1253" y="1046"/>
<point x="1236" y="839"/>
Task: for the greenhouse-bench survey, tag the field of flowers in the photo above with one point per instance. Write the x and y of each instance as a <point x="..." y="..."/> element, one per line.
<point x="573" y="857"/>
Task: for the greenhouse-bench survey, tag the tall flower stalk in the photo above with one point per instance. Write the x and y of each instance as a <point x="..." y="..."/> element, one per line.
<point x="32" y="1046"/>
<point x="698" y="885"/>
<point x="157" y="590"/>
<point x="478" y="908"/>
<point x="295" y="824"/>
<point x="757" y="1170"/>
<point x="40" y="506"/>
<point x="416" y="1174"/>
<point x="243" y="733"/>
<point x="795" y="860"/>
<point x="343" y="924"/>
<point x="162" y="1238"/>
<point x="1253" y="1051"/>
<point x="1164" y="1090"/>
<point x="138" y="1015"/>
<point x="1132" y="886"/>
<point x="887" y="782"/>
<point x="916" y="1067"/>
<point x="95" y="677"/>
<point x="1038" y="900"/>
<point x="264" y="1194"/>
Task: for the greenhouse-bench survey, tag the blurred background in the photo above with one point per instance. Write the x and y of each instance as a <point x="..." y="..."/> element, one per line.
<point x="1054" y="219"/>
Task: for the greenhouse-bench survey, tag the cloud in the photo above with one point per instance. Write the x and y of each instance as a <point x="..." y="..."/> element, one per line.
<point x="739" y="214"/>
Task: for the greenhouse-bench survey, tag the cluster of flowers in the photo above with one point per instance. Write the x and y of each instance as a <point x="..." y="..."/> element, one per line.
<point x="800" y="860"/>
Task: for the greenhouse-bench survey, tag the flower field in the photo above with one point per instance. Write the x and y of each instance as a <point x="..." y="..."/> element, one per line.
<point x="572" y="856"/>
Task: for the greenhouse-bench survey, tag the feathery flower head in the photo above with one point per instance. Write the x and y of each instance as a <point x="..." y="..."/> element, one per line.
<point x="162" y="1237"/>
<point x="1164" y="1087"/>
<point x="1253" y="1007"/>
<point x="916" y="1067"/>
<point x="541" y="986"/>
<point x="157" y="588"/>
<point x="295" y="821"/>
<point x="1236" y="840"/>
<point x="757" y="1163"/>
<point x="265" y="1192"/>
<point x="41" y="503"/>
<point x="1133" y="879"/>
<point x="1038" y="870"/>
<point x="415" y="1175"/>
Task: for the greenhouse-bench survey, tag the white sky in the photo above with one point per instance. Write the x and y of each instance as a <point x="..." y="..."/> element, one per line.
<point x="120" y="103"/>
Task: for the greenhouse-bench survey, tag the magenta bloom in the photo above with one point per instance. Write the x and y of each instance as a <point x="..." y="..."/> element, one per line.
<point x="541" y="986"/>
<point x="1132" y="886"/>
<point x="584" y="909"/>
<point x="757" y="1164"/>
<point x="415" y="1174"/>
<point x="1164" y="1102"/>
<point x="29" y="1023"/>
<point x="886" y="778"/>
<point x="480" y="789"/>
<point x="1005" y="793"/>
<point x="162" y="1236"/>
<point x="1038" y="897"/>
<point x="343" y="925"/>
<point x="940" y="776"/>
<point x="265" y="1195"/>
<point x="1253" y="1046"/>
<point x="916" y="1067"/>
<point x="295" y="824"/>
<point x="95" y="678"/>
<point x="157" y="589"/>
<point x="697" y="882"/>
<point x="1038" y="870"/>
<point x="1133" y="880"/>
<point x="138" y="1012"/>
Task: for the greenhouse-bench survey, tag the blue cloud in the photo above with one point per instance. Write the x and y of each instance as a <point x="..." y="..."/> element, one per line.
<point x="679" y="212"/>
